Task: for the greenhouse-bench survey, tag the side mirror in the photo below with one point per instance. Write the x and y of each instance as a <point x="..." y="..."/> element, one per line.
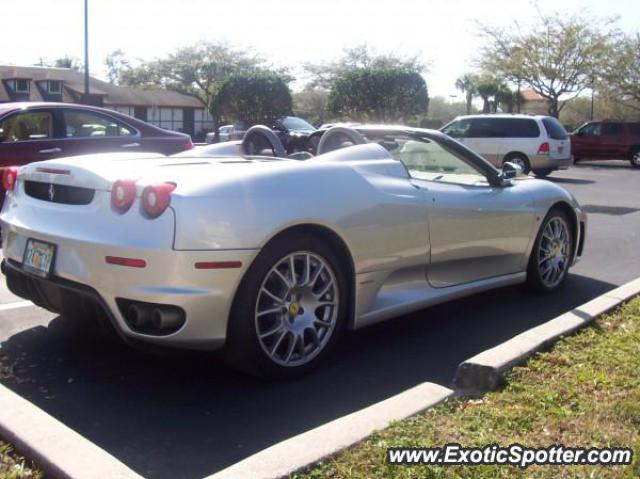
<point x="511" y="170"/>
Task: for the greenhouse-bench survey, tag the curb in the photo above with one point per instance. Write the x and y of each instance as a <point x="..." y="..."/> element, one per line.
<point x="297" y="453"/>
<point x="57" y="449"/>
<point x="484" y="372"/>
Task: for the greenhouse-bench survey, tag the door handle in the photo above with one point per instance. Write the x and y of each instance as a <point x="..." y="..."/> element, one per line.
<point x="50" y="150"/>
<point x="131" y="145"/>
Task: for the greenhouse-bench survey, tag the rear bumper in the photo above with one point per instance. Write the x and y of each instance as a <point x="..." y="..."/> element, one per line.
<point x="544" y="162"/>
<point x="170" y="278"/>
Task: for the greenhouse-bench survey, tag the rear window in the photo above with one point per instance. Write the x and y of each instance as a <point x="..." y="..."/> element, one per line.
<point x="554" y="128"/>
<point x="504" y="128"/>
<point x="634" y="128"/>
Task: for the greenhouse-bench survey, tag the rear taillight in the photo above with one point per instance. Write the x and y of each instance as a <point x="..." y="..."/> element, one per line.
<point x="157" y="198"/>
<point x="188" y="145"/>
<point x="544" y="149"/>
<point x="123" y="193"/>
<point x="9" y="178"/>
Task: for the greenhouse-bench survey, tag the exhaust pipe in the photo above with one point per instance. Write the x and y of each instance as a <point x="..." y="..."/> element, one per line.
<point x="140" y="316"/>
<point x="164" y="319"/>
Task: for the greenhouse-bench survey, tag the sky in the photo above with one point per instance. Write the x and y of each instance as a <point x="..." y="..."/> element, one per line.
<point x="287" y="32"/>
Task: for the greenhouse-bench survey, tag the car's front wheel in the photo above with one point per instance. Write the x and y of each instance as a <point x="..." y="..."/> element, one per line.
<point x="552" y="253"/>
<point x="289" y="309"/>
<point x="519" y="159"/>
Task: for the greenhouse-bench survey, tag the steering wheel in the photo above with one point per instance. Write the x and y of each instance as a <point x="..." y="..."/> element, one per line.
<point x="335" y="137"/>
<point x="258" y="138"/>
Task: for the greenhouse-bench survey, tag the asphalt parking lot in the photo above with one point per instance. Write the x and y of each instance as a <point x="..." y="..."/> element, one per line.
<point x="187" y="415"/>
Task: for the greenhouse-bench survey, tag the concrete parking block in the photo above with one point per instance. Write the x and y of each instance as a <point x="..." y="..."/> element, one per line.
<point x="308" y="448"/>
<point x="484" y="372"/>
<point x="57" y="449"/>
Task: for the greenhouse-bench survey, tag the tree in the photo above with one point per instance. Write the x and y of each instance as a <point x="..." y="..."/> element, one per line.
<point x="197" y="70"/>
<point x="467" y="85"/>
<point x="557" y="58"/>
<point x="488" y="87"/>
<point x="68" y="62"/>
<point x="311" y="103"/>
<point x="117" y="66"/>
<point x="379" y="93"/>
<point x="621" y="77"/>
<point x="253" y="98"/>
<point x="323" y="74"/>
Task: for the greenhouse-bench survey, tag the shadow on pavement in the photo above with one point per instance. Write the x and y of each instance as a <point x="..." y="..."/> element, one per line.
<point x="569" y="181"/>
<point x="187" y="415"/>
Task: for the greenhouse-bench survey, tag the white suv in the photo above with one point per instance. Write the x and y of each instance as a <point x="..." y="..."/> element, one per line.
<point x="536" y="143"/>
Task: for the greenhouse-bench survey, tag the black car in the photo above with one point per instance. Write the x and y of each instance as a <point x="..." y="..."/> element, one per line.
<point x="293" y="132"/>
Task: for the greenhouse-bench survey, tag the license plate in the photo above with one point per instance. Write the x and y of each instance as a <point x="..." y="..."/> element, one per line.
<point x="38" y="257"/>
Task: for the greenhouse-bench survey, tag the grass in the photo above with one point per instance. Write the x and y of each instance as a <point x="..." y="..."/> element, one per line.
<point x="585" y="392"/>
<point x="14" y="466"/>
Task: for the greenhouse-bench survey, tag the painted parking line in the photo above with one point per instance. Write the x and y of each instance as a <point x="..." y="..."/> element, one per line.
<point x="16" y="305"/>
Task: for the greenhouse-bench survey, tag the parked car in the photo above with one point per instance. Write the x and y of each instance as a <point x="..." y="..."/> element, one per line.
<point x="227" y="133"/>
<point x="607" y="140"/>
<point x="271" y="259"/>
<point x="536" y="143"/>
<point x="41" y="131"/>
<point x="293" y="132"/>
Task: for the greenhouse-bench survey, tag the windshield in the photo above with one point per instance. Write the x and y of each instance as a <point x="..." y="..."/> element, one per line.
<point x="294" y="123"/>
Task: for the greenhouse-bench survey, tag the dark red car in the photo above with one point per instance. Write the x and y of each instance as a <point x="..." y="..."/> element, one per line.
<point x="42" y="131"/>
<point x="607" y="140"/>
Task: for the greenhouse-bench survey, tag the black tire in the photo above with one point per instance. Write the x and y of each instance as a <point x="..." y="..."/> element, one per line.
<point x="243" y="350"/>
<point x="535" y="280"/>
<point x="519" y="159"/>
<point x="634" y="157"/>
<point x="543" y="172"/>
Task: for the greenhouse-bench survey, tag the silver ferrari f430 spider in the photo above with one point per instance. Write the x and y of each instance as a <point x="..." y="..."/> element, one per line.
<point x="238" y="246"/>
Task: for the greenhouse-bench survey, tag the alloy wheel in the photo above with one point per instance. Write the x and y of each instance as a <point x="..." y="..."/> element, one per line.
<point x="553" y="254"/>
<point x="297" y="308"/>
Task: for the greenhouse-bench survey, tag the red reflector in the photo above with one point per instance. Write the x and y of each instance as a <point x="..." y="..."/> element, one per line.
<point x="189" y="146"/>
<point x="9" y="177"/>
<point x="218" y="264"/>
<point x="131" y="262"/>
<point x="53" y="171"/>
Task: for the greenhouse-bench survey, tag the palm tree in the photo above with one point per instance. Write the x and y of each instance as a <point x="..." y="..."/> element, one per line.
<point x="487" y="87"/>
<point x="467" y="85"/>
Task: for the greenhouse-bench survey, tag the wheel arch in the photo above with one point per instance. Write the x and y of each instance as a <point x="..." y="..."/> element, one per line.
<point x="336" y="242"/>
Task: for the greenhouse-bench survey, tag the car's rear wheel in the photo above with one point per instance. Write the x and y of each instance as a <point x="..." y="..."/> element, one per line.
<point x="634" y="157"/>
<point x="552" y="253"/>
<point x="543" y="172"/>
<point x="289" y="309"/>
<point x="519" y="159"/>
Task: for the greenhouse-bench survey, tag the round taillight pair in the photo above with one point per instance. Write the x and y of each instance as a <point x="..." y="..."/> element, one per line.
<point x="9" y="178"/>
<point x="123" y="194"/>
<point x="157" y="198"/>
